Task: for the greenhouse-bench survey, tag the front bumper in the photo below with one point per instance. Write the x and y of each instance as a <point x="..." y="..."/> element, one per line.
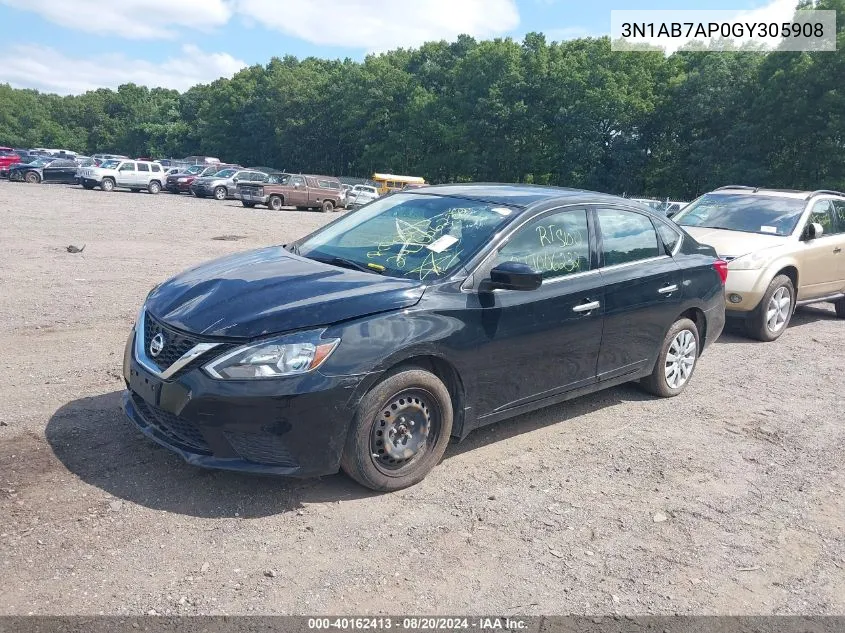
<point x="747" y="285"/>
<point x="291" y="426"/>
<point x="253" y="198"/>
<point x="178" y="187"/>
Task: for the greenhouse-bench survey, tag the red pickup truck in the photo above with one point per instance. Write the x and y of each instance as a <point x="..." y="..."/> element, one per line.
<point x="7" y="159"/>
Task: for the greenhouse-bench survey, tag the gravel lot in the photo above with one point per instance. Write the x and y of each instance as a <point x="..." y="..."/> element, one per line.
<point x="726" y="500"/>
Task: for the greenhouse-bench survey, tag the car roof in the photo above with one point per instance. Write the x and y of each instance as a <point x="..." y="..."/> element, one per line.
<point x="776" y="193"/>
<point x="517" y="195"/>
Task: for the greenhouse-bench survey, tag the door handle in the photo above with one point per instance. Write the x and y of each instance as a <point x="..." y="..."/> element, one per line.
<point x="665" y="290"/>
<point x="586" y="307"/>
<point x="837" y="250"/>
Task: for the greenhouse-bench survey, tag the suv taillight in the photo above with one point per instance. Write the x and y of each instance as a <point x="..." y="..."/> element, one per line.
<point x="721" y="267"/>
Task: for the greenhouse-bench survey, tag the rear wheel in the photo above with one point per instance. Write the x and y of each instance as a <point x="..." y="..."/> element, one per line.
<point x="840" y="308"/>
<point x="276" y="203"/>
<point x="154" y="187"/>
<point x="220" y="193"/>
<point x="400" y="431"/>
<point x="774" y="312"/>
<point x="327" y="206"/>
<point x="32" y="178"/>
<point x="676" y="361"/>
<point x="107" y="185"/>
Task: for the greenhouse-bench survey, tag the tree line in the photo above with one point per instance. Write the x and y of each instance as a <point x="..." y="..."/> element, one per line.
<point x="567" y="113"/>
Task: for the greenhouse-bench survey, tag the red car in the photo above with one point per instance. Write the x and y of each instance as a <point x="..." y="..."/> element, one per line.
<point x="7" y="159"/>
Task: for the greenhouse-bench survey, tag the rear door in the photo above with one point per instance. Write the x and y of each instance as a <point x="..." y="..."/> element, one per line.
<point x="642" y="289"/>
<point x="839" y="242"/>
<point x="142" y="175"/>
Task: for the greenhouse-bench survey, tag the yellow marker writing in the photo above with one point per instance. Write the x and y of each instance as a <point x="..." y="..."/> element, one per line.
<point x="377" y="267"/>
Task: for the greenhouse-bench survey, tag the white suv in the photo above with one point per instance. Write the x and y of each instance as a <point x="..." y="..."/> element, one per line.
<point x="129" y="174"/>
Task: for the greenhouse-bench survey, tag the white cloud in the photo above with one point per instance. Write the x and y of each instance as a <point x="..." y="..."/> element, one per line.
<point x="43" y="68"/>
<point x="379" y="25"/>
<point x="134" y="19"/>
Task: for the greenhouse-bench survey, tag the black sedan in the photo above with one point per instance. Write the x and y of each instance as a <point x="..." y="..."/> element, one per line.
<point x="45" y="170"/>
<point x="422" y="316"/>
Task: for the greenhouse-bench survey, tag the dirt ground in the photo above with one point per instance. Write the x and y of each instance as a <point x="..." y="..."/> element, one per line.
<point x="726" y="500"/>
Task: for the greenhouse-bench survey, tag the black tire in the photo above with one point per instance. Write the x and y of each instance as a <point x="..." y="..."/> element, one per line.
<point x="758" y="324"/>
<point x="32" y="178"/>
<point x="840" y="308"/>
<point x="107" y="185"/>
<point x="248" y="205"/>
<point x="275" y="203"/>
<point x="154" y="187"/>
<point x="327" y="206"/>
<point x="220" y="193"/>
<point x="662" y="381"/>
<point x="425" y="400"/>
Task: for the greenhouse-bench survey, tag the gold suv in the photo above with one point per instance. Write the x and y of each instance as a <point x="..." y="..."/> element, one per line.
<point x="783" y="248"/>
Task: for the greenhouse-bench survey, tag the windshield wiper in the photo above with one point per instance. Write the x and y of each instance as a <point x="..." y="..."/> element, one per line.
<point x="348" y="263"/>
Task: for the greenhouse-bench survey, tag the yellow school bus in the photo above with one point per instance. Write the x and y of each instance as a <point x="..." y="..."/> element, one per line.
<point x="391" y="182"/>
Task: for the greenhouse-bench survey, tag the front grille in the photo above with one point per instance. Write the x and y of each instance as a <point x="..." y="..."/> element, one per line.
<point x="261" y="449"/>
<point x="171" y="426"/>
<point x="176" y="344"/>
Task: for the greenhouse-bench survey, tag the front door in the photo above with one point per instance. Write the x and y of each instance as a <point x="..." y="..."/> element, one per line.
<point x="643" y="291"/>
<point x="127" y="175"/>
<point x="821" y="259"/>
<point x="540" y="343"/>
<point x="298" y="194"/>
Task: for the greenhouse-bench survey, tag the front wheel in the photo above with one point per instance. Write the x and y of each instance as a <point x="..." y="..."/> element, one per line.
<point x="220" y="193"/>
<point x="275" y="203"/>
<point x="676" y="361"/>
<point x="32" y="178"/>
<point x="154" y="187"/>
<point x="774" y="312"/>
<point x="400" y="431"/>
<point x="107" y="185"/>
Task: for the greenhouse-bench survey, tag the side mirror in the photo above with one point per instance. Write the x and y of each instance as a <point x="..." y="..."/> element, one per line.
<point x="515" y="276"/>
<point x="235" y="180"/>
<point x="814" y="230"/>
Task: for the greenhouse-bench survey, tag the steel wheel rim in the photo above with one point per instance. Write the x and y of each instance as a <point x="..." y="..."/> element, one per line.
<point x="777" y="312"/>
<point x="405" y="429"/>
<point x="680" y="359"/>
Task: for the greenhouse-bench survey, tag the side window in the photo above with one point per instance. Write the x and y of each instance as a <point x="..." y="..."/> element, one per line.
<point x="297" y="180"/>
<point x="626" y="236"/>
<point x="838" y="216"/>
<point x="822" y="213"/>
<point x="156" y="168"/>
<point x="554" y="245"/>
<point x="127" y="167"/>
<point x="669" y="236"/>
<point x="143" y="167"/>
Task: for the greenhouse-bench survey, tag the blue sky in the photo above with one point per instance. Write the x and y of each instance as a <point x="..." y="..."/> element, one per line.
<point x="69" y="46"/>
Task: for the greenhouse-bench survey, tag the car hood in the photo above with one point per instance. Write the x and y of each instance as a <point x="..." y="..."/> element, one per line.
<point x="271" y="290"/>
<point x="734" y="244"/>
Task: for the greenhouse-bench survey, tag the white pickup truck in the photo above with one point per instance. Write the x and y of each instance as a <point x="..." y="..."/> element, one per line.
<point x="128" y="174"/>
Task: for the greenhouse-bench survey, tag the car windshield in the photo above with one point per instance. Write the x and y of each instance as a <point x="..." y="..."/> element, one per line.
<point x="109" y="164"/>
<point x="408" y="235"/>
<point x="225" y="173"/>
<point x="773" y="215"/>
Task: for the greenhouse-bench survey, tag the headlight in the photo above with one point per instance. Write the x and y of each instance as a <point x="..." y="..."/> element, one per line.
<point x="752" y="261"/>
<point x="273" y="358"/>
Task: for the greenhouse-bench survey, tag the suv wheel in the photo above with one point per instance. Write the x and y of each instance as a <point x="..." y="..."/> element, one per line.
<point x="840" y="308"/>
<point x="32" y="178"/>
<point x="154" y="187"/>
<point x="676" y="361"/>
<point x="774" y="312"/>
<point x="328" y="206"/>
<point x="220" y="193"/>
<point x="276" y="203"/>
<point x="107" y="185"/>
<point x="400" y="431"/>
